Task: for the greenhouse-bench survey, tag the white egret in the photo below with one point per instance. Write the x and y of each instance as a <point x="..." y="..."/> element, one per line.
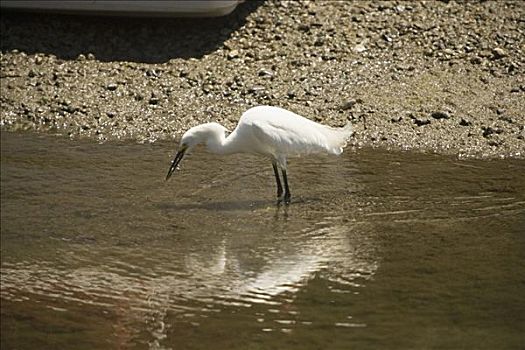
<point x="269" y="131"/>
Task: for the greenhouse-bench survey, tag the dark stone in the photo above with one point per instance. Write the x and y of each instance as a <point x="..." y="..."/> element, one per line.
<point x="488" y="131"/>
<point x="421" y="121"/>
<point x="440" y="115"/>
<point x="265" y="73"/>
<point x="348" y="104"/>
<point x="464" y="122"/>
<point x="153" y="101"/>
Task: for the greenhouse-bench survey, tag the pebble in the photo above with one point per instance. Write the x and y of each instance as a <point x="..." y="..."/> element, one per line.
<point x="464" y="122"/>
<point x="265" y="73"/>
<point x="111" y="87"/>
<point x="421" y="121"/>
<point x="152" y="73"/>
<point x="319" y="42"/>
<point x="233" y="54"/>
<point x="476" y="60"/>
<point x="396" y="119"/>
<point x="304" y="27"/>
<point x="440" y="115"/>
<point x="507" y="119"/>
<point x="488" y="131"/>
<point x="359" y="48"/>
<point x="255" y="89"/>
<point x="348" y="104"/>
<point x="498" y="52"/>
<point x="153" y="101"/>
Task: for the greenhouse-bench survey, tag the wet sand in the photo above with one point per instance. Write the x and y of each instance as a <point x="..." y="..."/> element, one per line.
<point x="444" y="76"/>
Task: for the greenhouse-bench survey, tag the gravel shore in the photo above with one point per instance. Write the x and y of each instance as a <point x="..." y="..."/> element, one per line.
<point x="440" y="76"/>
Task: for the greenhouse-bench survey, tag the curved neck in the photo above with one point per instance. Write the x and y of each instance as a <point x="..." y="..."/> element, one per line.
<point x="220" y="144"/>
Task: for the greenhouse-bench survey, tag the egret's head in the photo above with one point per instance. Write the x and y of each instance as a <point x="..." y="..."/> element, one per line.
<point x="200" y="134"/>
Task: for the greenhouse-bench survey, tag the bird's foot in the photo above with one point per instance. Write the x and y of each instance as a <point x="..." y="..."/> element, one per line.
<point x="286" y="199"/>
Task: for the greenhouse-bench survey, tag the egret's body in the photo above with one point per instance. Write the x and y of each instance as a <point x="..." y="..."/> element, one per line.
<point x="269" y="131"/>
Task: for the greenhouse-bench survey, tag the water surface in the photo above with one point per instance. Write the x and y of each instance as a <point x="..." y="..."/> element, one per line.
<point x="377" y="250"/>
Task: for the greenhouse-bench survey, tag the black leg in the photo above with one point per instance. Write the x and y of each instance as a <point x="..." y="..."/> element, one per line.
<point x="279" y="186"/>
<point x="287" y="194"/>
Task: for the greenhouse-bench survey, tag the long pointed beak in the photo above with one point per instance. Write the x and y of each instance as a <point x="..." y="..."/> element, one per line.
<point x="175" y="163"/>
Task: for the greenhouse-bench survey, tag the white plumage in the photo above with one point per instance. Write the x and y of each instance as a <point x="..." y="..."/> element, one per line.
<point x="269" y="131"/>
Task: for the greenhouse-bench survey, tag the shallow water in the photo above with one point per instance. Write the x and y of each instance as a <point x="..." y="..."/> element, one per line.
<point x="376" y="250"/>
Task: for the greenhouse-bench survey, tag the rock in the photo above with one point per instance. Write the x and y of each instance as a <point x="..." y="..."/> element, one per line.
<point x="494" y="143"/>
<point x="387" y="38"/>
<point x="152" y="73"/>
<point x="319" y="42"/>
<point x="507" y="119"/>
<point x="255" y="89"/>
<point x="359" y="48"/>
<point x="464" y="122"/>
<point x="69" y="108"/>
<point x="476" y="60"/>
<point x="233" y="54"/>
<point x="488" y="131"/>
<point x="485" y="54"/>
<point x="303" y="27"/>
<point x="421" y="121"/>
<point x="401" y="67"/>
<point x="440" y="115"/>
<point x="111" y="87"/>
<point x="428" y="52"/>
<point x="265" y="73"/>
<point x="512" y="67"/>
<point x="498" y="52"/>
<point x="153" y="100"/>
<point x="396" y="119"/>
<point x="348" y="104"/>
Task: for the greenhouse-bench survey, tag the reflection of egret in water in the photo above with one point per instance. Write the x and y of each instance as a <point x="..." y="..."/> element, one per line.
<point x="202" y="281"/>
